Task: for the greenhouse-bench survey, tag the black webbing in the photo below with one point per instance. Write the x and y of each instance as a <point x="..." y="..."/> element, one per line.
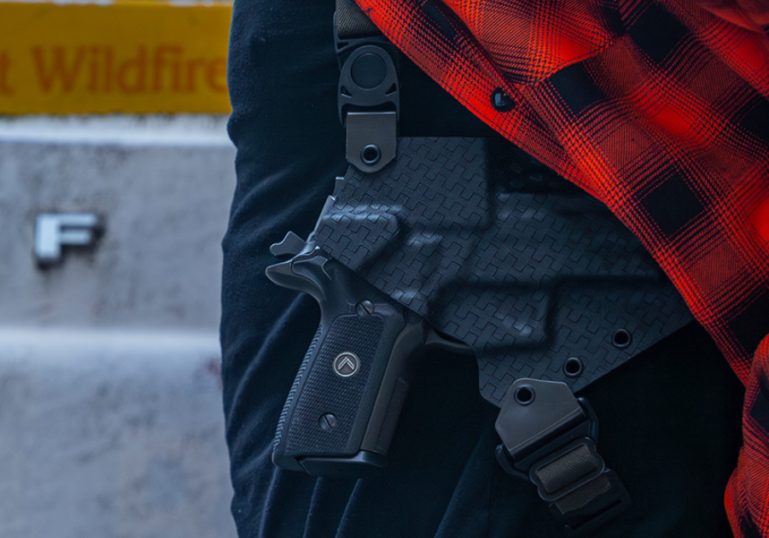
<point x="567" y="469"/>
<point x="351" y="22"/>
<point x="583" y="496"/>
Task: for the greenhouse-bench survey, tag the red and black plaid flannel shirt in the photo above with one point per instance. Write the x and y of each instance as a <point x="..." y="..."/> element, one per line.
<point x="658" y="108"/>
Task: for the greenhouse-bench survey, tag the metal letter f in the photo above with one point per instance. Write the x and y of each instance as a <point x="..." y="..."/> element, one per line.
<point x="52" y="230"/>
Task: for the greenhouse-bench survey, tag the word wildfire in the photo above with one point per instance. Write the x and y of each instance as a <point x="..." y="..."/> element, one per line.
<point x="98" y="69"/>
<point x="125" y="57"/>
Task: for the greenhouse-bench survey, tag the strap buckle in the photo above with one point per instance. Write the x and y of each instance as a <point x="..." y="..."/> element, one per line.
<point x="368" y="100"/>
<point x="549" y="438"/>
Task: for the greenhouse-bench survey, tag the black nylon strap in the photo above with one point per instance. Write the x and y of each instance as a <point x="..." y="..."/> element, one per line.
<point x="549" y="438"/>
<point x="351" y="22"/>
<point x="583" y="496"/>
<point x="567" y="469"/>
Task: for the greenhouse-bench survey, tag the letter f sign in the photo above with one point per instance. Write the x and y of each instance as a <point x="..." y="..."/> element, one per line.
<point x="54" y="230"/>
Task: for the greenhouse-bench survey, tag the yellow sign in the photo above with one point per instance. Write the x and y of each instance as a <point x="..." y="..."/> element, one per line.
<point x="128" y="57"/>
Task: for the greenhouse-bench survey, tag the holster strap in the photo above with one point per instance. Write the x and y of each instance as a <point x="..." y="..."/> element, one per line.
<point x="549" y="438"/>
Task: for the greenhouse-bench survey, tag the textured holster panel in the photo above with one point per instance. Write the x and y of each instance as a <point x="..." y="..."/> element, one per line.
<point x="496" y="250"/>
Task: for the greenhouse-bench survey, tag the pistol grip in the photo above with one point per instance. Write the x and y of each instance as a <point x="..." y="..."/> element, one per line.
<point x="341" y="413"/>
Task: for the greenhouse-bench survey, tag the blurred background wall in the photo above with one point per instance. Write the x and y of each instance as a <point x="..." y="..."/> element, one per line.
<point x="115" y="180"/>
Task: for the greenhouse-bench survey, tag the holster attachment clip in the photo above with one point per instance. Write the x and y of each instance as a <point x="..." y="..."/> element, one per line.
<point x="549" y="438"/>
<point x="368" y="99"/>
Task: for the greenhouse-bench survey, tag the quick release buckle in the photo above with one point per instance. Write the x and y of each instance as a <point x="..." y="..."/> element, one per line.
<point x="368" y="100"/>
<point x="549" y="439"/>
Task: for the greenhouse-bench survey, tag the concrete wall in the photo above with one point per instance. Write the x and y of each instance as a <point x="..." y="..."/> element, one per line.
<point x="110" y="396"/>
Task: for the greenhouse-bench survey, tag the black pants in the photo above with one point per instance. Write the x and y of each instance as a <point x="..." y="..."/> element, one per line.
<point x="670" y="419"/>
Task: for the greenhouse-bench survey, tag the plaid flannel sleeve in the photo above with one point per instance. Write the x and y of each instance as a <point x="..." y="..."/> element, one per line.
<point x="747" y="496"/>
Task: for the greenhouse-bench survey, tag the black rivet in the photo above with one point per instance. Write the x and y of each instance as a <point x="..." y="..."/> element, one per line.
<point x="368" y="71"/>
<point x="327" y="422"/>
<point x="572" y="367"/>
<point x="524" y="395"/>
<point x="621" y="338"/>
<point x="371" y="154"/>
<point x="501" y="101"/>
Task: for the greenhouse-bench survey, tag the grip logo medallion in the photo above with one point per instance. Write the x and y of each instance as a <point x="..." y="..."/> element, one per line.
<point x="346" y="364"/>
